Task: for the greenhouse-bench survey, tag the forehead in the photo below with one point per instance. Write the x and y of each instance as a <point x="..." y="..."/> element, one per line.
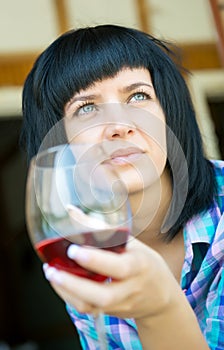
<point x="123" y="82"/>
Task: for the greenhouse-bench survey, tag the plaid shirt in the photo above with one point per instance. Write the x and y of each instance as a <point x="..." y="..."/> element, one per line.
<point x="202" y="280"/>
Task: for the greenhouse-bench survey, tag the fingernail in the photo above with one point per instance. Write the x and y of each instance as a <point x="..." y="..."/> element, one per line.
<point x="45" y="267"/>
<point x="52" y="274"/>
<point x="76" y="252"/>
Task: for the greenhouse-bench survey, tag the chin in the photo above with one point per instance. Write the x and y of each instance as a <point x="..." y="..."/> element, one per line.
<point x="135" y="183"/>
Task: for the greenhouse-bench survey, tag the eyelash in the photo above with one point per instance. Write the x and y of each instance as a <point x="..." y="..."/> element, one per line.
<point x="82" y="105"/>
<point x="146" y="94"/>
<point x="89" y="103"/>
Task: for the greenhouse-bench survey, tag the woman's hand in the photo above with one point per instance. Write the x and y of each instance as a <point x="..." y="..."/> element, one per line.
<point x="142" y="284"/>
<point x="142" y="287"/>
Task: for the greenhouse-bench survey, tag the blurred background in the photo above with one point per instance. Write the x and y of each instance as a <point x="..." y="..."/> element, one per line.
<point x="31" y="315"/>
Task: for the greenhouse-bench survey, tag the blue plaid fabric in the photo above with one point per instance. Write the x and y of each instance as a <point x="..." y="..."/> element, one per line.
<point x="202" y="280"/>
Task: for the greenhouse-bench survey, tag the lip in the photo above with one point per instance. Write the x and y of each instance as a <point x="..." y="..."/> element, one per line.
<point x="124" y="156"/>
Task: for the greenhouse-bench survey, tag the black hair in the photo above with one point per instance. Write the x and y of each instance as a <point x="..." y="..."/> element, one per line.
<point x="81" y="57"/>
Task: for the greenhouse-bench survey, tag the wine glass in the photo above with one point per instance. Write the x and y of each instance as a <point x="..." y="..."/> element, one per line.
<point x="74" y="195"/>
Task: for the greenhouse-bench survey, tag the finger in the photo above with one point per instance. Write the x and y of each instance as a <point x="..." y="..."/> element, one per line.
<point x="55" y="278"/>
<point x="83" y="293"/>
<point x="79" y="304"/>
<point x="117" y="266"/>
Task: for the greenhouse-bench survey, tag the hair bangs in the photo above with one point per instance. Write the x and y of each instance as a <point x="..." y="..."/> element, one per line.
<point x="67" y="74"/>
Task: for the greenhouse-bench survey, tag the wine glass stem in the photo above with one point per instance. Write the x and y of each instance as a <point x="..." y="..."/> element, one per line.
<point x="100" y="329"/>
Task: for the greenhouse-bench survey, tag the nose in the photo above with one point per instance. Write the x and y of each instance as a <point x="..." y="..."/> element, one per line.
<point x="119" y="123"/>
<point x="118" y="130"/>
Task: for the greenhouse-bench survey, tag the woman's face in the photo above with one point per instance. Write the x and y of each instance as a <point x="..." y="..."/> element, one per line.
<point x="124" y="109"/>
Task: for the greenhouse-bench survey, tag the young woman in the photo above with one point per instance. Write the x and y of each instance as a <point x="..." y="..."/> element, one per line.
<point x="167" y="289"/>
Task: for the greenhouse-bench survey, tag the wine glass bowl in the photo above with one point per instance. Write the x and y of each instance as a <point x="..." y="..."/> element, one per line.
<point x="73" y="196"/>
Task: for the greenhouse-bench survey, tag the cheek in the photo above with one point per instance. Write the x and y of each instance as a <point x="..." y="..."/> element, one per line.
<point x="78" y="133"/>
<point x="152" y="128"/>
<point x="158" y="156"/>
<point x="157" y="149"/>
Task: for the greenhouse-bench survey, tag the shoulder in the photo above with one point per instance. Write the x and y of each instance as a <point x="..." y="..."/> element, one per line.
<point x="218" y="166"/>
<point x="208" y="226"/>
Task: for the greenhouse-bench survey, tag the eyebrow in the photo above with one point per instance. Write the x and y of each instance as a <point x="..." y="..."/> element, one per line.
<point x="81" y="98"/>
<point x="125" y="89"/>
<point x="134" y="86"/>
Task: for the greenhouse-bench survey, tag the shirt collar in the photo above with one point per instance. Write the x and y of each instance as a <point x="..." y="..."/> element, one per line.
<point x="201" y="228"/>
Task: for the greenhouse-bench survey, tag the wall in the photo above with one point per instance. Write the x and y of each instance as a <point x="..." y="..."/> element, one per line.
<point x="28" y="25"/>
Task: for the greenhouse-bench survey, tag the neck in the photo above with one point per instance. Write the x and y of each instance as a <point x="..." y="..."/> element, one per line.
<point x="149" y="208"/>
<point x="149" y="211"/>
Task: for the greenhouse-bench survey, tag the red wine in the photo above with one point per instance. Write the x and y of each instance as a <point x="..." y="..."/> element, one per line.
<point x="54" y="251"/>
